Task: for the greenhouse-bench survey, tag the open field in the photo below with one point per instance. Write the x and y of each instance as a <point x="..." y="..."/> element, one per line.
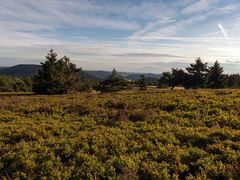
<point x="154" y="134"/>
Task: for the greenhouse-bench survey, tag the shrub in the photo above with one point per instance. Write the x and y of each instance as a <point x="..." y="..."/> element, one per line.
<point x="137" y="116"/>
<point x="116" y="105"/>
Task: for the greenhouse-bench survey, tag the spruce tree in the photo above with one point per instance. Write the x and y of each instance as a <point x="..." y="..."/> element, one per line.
<point x="113" y="83"/>
<point x="142" y="83"/>
<point x="55" y="77"/>
<point x="178" y="77"/>
<point x="71" y="74"/>
<point x="165" y="80"/>
<point x="216" y="78"/>
<point x="233" y="81"/>
<point x="196" y="77"/>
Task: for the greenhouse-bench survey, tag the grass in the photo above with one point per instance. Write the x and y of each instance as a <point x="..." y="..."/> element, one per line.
<point x="154" y="134"/>
<point x="15" y="93"/>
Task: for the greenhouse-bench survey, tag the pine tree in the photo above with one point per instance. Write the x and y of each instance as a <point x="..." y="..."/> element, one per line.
<point x="178" y="77"/>
<point x="216" y="78"/>
<point x="165" y="80"/>
<point x="56" y="76"/>
<point x="233" y="81"/>
<point x="114" y="74"/>
<point x="71" y="74"/>
<point x="113" y="83"/>
<point x="172" y="79"/>
<point x="196" y="77"/>
<point x="142" y="83"/>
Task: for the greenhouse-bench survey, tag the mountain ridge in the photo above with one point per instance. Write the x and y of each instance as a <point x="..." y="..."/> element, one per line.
<point x="32" y="69"/>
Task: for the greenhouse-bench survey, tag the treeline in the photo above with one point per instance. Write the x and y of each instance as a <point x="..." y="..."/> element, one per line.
<point x="60" y="76"/>
<point x="25" y="84"/>
<point x="199" y="75"/>
<point x="57" y="76"/>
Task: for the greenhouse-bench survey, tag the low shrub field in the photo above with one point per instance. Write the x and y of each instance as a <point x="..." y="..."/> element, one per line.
<point x="153" y="134"/>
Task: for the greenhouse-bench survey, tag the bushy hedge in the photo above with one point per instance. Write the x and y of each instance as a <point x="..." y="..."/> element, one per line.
<point x="15" y="84"/>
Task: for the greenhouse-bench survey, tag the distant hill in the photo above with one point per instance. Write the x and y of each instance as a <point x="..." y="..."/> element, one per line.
<point x="30" y="70"/>
<point x="86" y="75"/>
<point x="104" y="74"/>
<point x="99" y="74"/>
<point x="20" y="70"/>
<point x="147" y="75"/>
<point x="132" y="76"/>
<point x="1" y="68"/>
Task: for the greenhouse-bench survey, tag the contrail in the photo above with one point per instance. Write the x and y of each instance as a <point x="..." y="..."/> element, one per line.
<point x="222" y="29"/>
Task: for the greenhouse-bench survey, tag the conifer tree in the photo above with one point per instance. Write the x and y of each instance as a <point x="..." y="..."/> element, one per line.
<point x="216" y="78"/>
<point x="56" y="76"/>
<point x="113" y="83"/>
<point x="142" y="83"/>
<point x="178" y="77"/>
<point x="233" y="80"/>
<point x="71" y="74"/>
<point x="196" y="77"/>
<point x="165" y="80"/>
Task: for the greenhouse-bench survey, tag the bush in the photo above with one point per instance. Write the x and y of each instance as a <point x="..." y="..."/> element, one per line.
<point x="137" y="116"/>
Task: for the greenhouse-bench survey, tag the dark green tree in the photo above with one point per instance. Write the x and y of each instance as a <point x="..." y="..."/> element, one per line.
<point x="216" y="78"/>
<point x="178" y="77"/>
<point x="113" y="83"/>
<point x="233" y="81"/>
<point x="165" y="80"/>
<point x="142" y="83"/>
<point x="197" y="74"/>
<point x="172" y="79"/>
<point x="71" y="74"/>
<point x="56" y="76"/>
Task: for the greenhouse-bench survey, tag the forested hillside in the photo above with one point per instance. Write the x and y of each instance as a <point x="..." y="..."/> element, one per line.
<point x="20" y="70"/>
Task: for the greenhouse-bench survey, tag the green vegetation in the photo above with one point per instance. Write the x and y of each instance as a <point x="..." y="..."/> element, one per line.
<point x="57" y="76"/>
<point x="216" y="78"/>
<point x="233" y="81"/>
<point x="153" y="134"/>
<point x="114" y="83"/>
<point x="196" y="76"/>
<point x="142" y="83"/>
<point x="131" y="134"/>
<point x="60" y="76"/>
<point x="199" y="75"/>
<point x="15" y="84"/>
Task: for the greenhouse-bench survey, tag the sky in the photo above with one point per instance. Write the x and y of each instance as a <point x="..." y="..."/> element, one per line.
<point x="129" y="35"/>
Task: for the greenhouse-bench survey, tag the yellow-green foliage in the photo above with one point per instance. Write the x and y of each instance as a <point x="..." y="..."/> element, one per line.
<point x="155" y="134"/>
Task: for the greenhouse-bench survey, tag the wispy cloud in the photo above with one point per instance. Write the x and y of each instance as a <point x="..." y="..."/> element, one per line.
<point x="176" y="27"/>
<point x="198" y="6"/>
<point x="58" y="14"/>
<point x="147" y="55"/>
<point x="99" y="34"/>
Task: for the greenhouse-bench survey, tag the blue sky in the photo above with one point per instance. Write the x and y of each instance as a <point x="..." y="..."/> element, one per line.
<point x="136" y="35"/>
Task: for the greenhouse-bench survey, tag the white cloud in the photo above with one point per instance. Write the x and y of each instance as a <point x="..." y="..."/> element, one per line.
<point x="61" y="14"/>
<point x="162" y="31"/>
<point x="157" y="30"/>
